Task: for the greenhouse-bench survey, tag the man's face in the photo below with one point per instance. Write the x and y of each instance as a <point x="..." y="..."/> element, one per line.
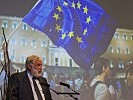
<point x="36" y="68"/>
<point x="130" y="79"/>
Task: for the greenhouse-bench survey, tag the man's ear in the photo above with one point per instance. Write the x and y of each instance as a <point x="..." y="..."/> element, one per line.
<point x="29" y="66"/>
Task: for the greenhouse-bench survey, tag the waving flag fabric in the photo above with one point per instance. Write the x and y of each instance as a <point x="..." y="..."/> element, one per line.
<point x="81" y="27"/>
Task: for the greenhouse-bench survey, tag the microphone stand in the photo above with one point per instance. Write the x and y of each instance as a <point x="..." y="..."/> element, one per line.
<point x="54" y="91"/>
<point x="70" y="93"/>
<point x="66" y="93"/>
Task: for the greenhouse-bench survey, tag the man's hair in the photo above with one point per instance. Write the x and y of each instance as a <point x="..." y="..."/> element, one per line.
<point x="31" y="60"/>
<point x="99" y="64"/>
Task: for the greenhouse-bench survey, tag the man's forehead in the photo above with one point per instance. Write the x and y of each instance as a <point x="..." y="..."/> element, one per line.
<point x="38" y="61"/>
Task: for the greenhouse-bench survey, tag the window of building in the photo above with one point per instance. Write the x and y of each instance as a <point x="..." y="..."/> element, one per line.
<point x="43" y="44"/>
<point x="1" y="55"/>
<point x="132" y="37"/>
<point x="56" y="62"/>
<point x="44" y="60"/>
<point x="5" y="24"/>
<point x="12" y="58"/>
<point x="111" y="49"/>
<point x="127" y="51"/>
<point x="33" y="29"/>
<point x="125" y="36"/>
<point x="1" y="39"/>
<point x="22" y="59"/>
<point x="15" y="25"/>
<point x="13" y="41"/>
<point x="111" y="64"/>
<point x="23" y="42"/>
<point x="129" y="62"/>
<point x="118" y="50"/>
<point x="116" y="36"/>
<point x="24" y="27"/>
<point x="33" y="44"/>
<point x="13" y="52"/>
<point x="51" y="43"/>
<point x="70" y="62"/>
<point x="121" y="65"/>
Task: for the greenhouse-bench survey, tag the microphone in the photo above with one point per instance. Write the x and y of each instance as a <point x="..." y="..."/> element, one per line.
<point x="43" y="83"/>
<point x="64" y="84"/>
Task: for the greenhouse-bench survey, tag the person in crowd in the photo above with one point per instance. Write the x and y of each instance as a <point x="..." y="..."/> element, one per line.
<point x="29" y="84"/>
<point x="129" y="82"/>
<point x="102" y="76"/>
<point x="112" y="89"/>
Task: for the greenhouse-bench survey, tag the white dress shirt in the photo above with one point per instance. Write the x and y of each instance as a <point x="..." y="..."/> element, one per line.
<point x="33" y="89"/>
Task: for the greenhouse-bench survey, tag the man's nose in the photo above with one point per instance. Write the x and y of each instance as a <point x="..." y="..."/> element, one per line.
<point x="40" y="68"/>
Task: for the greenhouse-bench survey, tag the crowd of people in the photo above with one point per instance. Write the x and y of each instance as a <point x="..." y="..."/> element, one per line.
<point x="103" y="86"/>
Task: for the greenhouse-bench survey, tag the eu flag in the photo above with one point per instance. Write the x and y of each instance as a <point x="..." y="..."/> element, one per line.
<point x="81" y="27"/>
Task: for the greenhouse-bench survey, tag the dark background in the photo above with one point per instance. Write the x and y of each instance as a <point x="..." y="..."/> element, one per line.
<point x="121" y="10"/>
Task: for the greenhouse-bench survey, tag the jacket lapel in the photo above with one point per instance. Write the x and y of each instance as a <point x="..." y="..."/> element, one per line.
<point x="27" y="84"/>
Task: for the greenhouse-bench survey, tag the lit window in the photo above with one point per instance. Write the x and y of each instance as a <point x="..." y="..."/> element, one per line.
<point x="51" y="43"/>
<point x="70" y="62"/>
<point x="33" y="43"/>
<point x="132" y="37"/>
<point x="116" y="36"/>
<point x="5" y="24"/>
<point x="44" y="60"/>
<point x="1" y="55"/>
<point x="56" y="61"/>
<point x="22" y="59"/>
<point x="15" y="25"/>
<point x="111" y="64"/>
<point x="1" y="39"/>
<point x="12" y="58"/>
<point x="127" y="51"/>
<point x="13" y="41"/>
<point x="125" y="37"/>
<point x="25" y="27"/>
<point x="34" y="29"/>
<point x="111" y="49"/>
<point x="118" y="50"/>
<point x="43" y="44"/>
<point x="23" y="42"/>
<point x="121" y="65"/>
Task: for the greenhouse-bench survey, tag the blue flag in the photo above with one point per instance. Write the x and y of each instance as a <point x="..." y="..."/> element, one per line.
<point x="81" y="27"/>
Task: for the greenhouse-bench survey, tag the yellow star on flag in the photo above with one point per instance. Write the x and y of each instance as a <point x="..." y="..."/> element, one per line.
<point x="73" y="5"/>
<point x="65" y="3"/>
<point x="63" y="36"/>
<point x="78" y="5"/>
<point x="85" y="10"/>
<point x="57" y="27"/>
<point x="56" y="16"/>
<point x="71" y="34"/>
<point x="59" y="8"/>
<point x="79" y="39"/>
<point x="88" y="20"/>
<point x="85" y="31"/>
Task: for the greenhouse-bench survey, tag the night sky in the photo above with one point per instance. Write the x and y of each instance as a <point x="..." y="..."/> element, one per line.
<point x="121" y="10"/>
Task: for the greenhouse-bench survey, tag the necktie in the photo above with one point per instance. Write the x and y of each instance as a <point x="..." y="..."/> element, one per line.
<point x="37" y="90"/>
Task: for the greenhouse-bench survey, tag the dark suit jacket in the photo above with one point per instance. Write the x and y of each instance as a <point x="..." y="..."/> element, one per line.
<point x="21" y="88"/>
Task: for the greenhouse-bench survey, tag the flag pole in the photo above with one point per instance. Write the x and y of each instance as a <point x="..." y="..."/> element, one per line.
<point x="11" y="34"/>
<point x="14" y="31"/>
